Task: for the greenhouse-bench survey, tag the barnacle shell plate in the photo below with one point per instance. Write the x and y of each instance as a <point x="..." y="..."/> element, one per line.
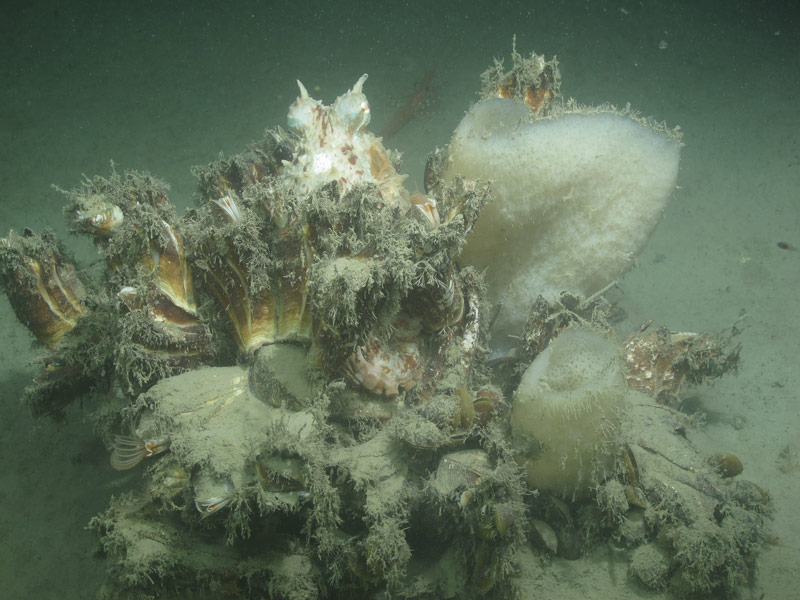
<point x="42" y="285"/>
<point x="333" y="145"/>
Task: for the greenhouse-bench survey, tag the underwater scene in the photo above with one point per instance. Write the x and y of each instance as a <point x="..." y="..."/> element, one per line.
<point x="400" y="300"/>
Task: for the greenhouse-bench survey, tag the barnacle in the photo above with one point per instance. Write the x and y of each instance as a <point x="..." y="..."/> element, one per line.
<point x="42" y="284"/>
<point x="130" y="450"/>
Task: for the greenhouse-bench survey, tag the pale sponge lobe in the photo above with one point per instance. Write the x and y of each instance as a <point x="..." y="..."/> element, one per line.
<point x="575" y="197"/>
<point x="567" y="412"/>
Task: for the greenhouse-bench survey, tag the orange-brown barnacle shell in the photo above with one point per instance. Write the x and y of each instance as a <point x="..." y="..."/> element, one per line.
<point x="95" y="215"/>
<point x="293" y="304"/>
<point x="539" y="95"/>
<point x="43" y="287"/>
<point x="163" y="331"/>
<point x="426" y="207"/>
<point x="252" y="314"/>
<point x="183" y="327"/>
<point x="172" y="274"/>
<point x="385" y="368"/>
<point x="507" y="89"/>
<point x="538" y="100"/>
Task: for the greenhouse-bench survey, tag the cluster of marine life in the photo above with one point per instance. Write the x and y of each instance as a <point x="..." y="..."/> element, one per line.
<point x="299" y="366"/>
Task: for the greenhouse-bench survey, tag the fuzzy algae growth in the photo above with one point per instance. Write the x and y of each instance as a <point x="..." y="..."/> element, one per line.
<point x="298" y="369"/>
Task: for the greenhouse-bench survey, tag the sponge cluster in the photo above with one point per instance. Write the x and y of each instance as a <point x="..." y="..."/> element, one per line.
<point x="567" y="412"/>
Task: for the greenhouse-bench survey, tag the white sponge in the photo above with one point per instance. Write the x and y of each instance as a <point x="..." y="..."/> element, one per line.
<point x="567" y="412"/>
<point x="574" y="199"/>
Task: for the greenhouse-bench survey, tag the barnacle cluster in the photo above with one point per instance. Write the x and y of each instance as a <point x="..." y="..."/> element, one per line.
<point x="298" y="368"/>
